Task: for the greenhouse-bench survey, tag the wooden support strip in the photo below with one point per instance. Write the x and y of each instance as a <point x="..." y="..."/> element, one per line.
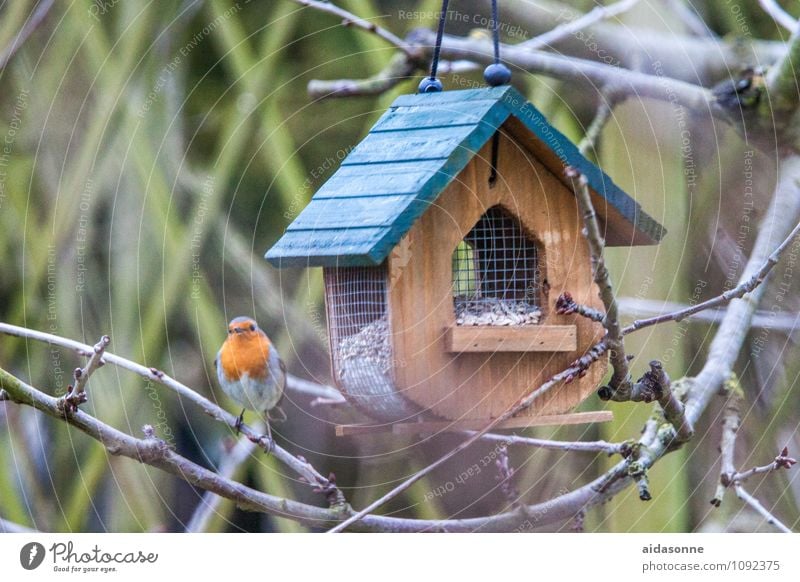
<point x="532" y="338"/>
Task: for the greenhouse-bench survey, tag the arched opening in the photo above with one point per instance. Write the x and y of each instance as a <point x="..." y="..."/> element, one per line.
<point x="497" y="273"/>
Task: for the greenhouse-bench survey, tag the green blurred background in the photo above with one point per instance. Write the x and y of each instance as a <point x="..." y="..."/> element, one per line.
<point x="155" y="150"/>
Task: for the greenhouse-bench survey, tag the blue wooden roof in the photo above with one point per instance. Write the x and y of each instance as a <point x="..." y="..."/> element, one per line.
<point x="408" y="158"/>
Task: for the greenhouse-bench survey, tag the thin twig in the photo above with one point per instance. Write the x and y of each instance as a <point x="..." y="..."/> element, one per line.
<point x="210" y="502"/>
<point x="730" y="426"/>
<point x="320" y="401"/>
<point x="76" y="393"/>
<point x="742" y="289"/>
<point x="604" y="110"/>
<point x="566" y="305"/>
<point x="782" y="461"/>
<point x="350" y="19"/>
<point x="639" y="308"/>
<point x="566" y="29"/>
<point x="620" y="382"/>
<point x="32" y="24"/>
<point x="399" y="69"/>
<point x="763" y="511"/>
<point x="778" y="14"/>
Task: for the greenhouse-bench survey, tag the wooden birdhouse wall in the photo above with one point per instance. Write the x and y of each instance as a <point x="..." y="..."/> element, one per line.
<point x="429" y="370"/>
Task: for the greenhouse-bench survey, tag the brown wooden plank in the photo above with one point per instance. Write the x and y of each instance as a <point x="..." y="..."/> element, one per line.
<point x="538" y="338"/>
<point x="517" y="422"/>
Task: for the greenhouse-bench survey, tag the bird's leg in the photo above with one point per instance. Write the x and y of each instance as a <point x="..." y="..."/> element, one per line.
<point x="239" y="422"/>
<point x="269" y="435"/>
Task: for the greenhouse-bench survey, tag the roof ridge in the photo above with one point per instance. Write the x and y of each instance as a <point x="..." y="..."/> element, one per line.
<point x="365" y="193"/>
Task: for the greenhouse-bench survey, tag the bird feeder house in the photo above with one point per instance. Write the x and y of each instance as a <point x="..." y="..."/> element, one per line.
<point x="445" y="237"/>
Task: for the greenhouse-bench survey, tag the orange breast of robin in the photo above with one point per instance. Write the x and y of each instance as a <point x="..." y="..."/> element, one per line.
<point x="245" y="354"/>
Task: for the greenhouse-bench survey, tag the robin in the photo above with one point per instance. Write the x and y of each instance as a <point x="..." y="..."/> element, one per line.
<point x="250" y="370"/>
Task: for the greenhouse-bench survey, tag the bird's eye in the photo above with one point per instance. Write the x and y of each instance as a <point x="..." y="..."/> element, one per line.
<point x="230" y="331"/>
<point x="252" y="327"/>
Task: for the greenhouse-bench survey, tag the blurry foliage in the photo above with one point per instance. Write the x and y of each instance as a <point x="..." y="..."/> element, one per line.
<point x="158" y="149"/>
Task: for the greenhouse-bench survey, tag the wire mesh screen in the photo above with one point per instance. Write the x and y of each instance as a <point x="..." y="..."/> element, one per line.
<point x="361" y="347"/>
<point x="496" y="276"/>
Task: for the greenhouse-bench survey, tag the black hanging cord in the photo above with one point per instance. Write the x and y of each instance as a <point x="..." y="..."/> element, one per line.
<point x="495" y="33"/>
<point x="437" y="49"/>
<point x="431" y="84"/>
<point x="495" y="74"/>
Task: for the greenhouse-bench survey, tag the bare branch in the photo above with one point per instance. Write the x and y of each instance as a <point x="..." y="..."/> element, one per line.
<point x="300" y="466"/>
<point x="399" y="69"/>
<point x="596" y="75"/>
<point x="155" y="452"/>
<point x="778" y="14"/>
<point x="781" y="216"/>
<point x="350" y="19"/>
<point x="743" y="288"/>
<point x="702" y="59"/>
<point x="620" y="382"/>
<point x="300" y="386"/>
